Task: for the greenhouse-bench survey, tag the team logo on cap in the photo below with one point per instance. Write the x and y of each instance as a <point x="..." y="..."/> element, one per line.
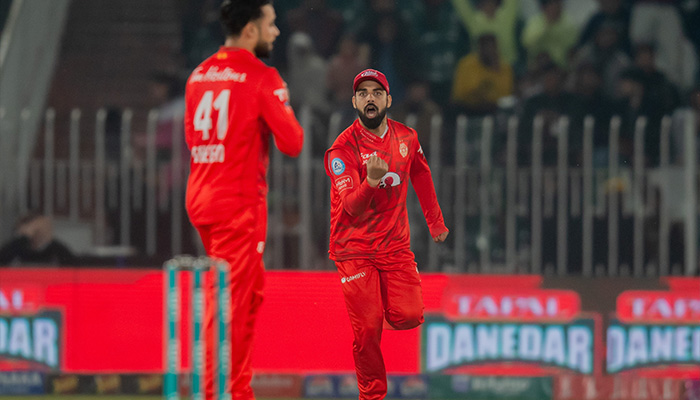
<point x="369" y="73"/>
<point x="338" y="166"/>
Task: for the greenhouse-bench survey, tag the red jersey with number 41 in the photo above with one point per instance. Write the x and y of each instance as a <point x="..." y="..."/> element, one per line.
<point x="369" y="222"/>
<point x="233" y="102"/>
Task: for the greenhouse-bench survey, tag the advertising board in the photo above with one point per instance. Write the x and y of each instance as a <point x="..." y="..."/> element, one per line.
<point x="110" y="321"/>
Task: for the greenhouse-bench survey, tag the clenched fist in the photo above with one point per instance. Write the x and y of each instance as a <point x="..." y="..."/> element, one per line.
<point x="376" y="169"/>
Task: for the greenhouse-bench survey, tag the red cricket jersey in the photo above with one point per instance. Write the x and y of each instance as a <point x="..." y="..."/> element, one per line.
<point x="369" y="222"/>
<point x="233" y="101"/>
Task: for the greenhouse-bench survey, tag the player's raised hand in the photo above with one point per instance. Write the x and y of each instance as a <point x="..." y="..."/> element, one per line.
<point x="376" y="169"/>
<point x="441" y="237"/>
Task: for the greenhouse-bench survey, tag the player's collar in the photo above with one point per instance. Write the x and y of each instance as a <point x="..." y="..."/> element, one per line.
<point x="385" y="131"/>
<point x="369" y="135"/>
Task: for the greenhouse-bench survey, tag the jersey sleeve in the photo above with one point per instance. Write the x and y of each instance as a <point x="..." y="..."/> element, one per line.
<point x="279" y="116"/>
<point x="354" y="192"/>
<point x="422" y="181"/>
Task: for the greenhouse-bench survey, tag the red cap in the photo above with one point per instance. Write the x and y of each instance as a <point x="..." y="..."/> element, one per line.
<point x="370" y="74"/>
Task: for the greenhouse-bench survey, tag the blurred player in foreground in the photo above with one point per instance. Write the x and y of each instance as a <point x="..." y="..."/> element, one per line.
<point x="234" y="105"/>
<point x="370" y="164"/>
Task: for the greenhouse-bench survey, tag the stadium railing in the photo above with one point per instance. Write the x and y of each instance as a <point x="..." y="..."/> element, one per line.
<point x="568" y="213"/>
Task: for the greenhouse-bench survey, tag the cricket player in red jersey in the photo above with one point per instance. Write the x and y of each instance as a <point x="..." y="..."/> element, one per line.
<point x="235" y="104"/>
<point x="370" y="164"/>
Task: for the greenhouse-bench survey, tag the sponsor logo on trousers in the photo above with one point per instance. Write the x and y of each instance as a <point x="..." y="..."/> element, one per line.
<point x="347" y="279"/>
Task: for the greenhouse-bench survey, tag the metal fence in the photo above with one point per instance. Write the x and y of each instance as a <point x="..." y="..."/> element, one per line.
<point x="564" y="215"/>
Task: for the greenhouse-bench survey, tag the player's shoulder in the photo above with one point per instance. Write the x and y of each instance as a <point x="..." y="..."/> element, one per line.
<point x="345" y="143"/>
<point x="401" y="129"/>
<point x="233" y="64"/>
<point x="346" y="136"/>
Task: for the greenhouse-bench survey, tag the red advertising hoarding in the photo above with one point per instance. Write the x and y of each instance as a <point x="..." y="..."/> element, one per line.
<point x="111" y="321"/>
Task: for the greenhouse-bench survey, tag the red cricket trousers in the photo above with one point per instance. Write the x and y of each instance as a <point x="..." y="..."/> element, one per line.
<point x="240" y="240"/>
<point x="377" y="290"/>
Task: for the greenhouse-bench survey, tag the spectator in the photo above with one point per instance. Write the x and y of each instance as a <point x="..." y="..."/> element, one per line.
<point x="306" y="70"/>
<point x="611" y="11"/>
<point x="323" y="24"/>
<point x="35" y="244"/>
<point x="168" y="91"/>
<point x="589" y="88"/>
<point x="530" y="83"/>
<point x="680" y="117"/>
<point x="305" y="75"/>
<point x="635" y="100"/>
<point x="659" y="90"/>
<point x="658" y="22"/>
<point x="201" y="31"/>
<point x="419" y="104"/>
<point x="482" y="78"/>
<point x="551" y="104"/>
<point x="342" y="68"/>
<point x="391" y="42"/>
<point x="440" y="43"/>
<point x="605" y="53"/>
<point x="551" y="32"/>
<point x="690" y="12"/>
<point x="497" y="17"/>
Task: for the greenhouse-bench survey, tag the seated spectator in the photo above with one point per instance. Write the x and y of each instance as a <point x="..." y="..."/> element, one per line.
<point x="34" y="244"/>
<point x="690" y="13"/>
<point x="202" y="33"/>
<point x="588" y="87"/>
<point x="611" y="11"/>
<point x="656" y="84"/>
<point x="497" y="17"/>
<point x="691" y="110"/>
<point x="323" y="24"/>
<point x="419" y="104"/>
<point x="307" y="86"/>
<point x="605" y="53"/>
<point x="551" y="32"/>
<point x="481" y="78"/>
<point x="392" y="44"/>
<point x="305" y="75"/>
<point x="634" y="101"/>
<point x="342" y="68"/>
<point x="551" y="104"/>
<point x="658" y="23"/>
<point x="530" y="83"/>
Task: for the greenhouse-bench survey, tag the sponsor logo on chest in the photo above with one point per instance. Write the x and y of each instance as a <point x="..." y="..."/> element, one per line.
<point x="365" y="156"/>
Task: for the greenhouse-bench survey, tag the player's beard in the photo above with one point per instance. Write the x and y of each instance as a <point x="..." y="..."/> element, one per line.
<point x="372" y="123"/>
<point x="263" y="49"/>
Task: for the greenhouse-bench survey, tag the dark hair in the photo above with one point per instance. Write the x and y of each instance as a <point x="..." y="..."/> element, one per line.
<point x="235" y="14"/>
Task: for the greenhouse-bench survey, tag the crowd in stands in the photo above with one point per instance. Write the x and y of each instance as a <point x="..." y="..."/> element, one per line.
<point x="474" y="57"/>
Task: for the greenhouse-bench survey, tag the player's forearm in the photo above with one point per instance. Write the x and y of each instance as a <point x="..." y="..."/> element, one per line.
<point x="291" y="141"/>
<point x="425" y="190"/>
<point x="357" y="202"/>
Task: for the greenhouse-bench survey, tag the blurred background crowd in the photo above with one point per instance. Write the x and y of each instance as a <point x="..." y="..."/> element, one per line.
<point x="533" y="59"/>
<point x="478" y="57"/>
